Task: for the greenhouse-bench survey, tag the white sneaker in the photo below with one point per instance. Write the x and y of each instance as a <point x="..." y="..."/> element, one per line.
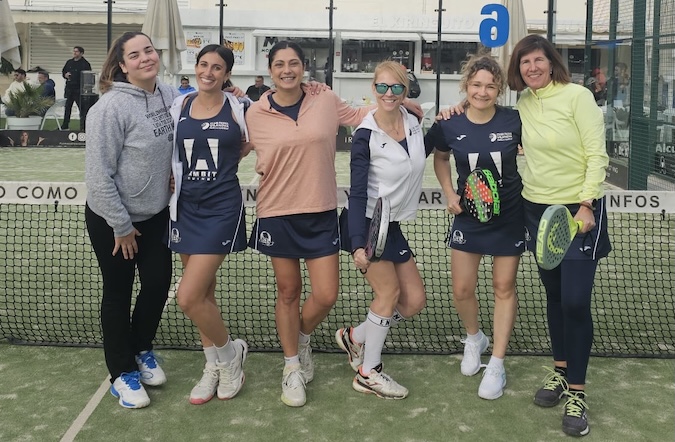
<point x="493" y="383"/>
<point x="293" y="386"/>
<point x="472" y="351"/>
<point x="128" y="388"/>
<point x="354" y="350"/>
<point x="207" y="385"/>
<point x="306" y="361"/>
<point x="151" y="373"/>
<point x="379" y="384"/>
<point x="232" y="373"/>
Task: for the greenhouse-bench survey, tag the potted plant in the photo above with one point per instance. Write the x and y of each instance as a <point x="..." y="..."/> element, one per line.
<point x="28" y="105"/>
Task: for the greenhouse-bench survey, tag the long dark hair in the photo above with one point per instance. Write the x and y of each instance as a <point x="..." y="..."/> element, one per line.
<point x="111" y="70"/>
<point x="285" y="44"/>
<point x="225" y="53"/>
<point x="529" y="44"/>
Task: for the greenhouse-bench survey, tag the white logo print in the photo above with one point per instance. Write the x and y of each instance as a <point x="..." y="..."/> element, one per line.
<point x="458" y="237"/>
<point x="226" y="242"/>
<point x="205" y="126"/>
<point x="266" y="238"/>
<point x="402" y="252"/>
<point x="519" y="243"/>
<point x="493" y="137"/>
<point x="335" y="241"/>
<point x="461" y="137"/>
<point x="182" y="118"/>
<point x="585" y="248"/>
<point x="175" y="235"/>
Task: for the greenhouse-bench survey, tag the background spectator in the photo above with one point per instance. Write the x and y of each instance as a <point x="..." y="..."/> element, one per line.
<point x="72" y="71"/>
<point x="185" y="87"/>
<point x="256" y="90"/>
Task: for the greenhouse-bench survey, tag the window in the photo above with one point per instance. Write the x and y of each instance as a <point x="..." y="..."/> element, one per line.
<point x="364" y="55"/>
<point x="453" y="53"/>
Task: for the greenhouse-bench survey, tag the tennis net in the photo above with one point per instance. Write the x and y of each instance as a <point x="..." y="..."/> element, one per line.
<point x="51" y="285"/>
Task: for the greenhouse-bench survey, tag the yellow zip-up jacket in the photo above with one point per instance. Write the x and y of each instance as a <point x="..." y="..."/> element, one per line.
<point x="564" y="143"/>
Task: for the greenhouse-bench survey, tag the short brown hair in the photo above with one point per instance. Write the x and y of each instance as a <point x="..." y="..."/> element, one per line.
<point x="482" y="62"/>
<point x="529" y="44"/>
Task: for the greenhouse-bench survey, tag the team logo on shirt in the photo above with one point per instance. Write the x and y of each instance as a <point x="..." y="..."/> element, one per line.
<point x="501" y="136"/>
<point x="458" y="237"/>
<point x="216" y="125"/>
<point x="461" y="137"/>
<point x="175" y="235"/>
<point x="266" y="239"/>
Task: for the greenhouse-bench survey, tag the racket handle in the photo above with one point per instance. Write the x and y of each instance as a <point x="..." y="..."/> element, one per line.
<point x="580" y="225"/>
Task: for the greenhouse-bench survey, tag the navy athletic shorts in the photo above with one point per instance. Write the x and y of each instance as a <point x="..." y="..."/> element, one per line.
<point x="208" y="230"/>
<point x="396" y="249"/>
<point x="304" y="235"/>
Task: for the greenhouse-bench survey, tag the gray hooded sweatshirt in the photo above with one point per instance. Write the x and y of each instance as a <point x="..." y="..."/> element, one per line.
<point x="128" y="154"/>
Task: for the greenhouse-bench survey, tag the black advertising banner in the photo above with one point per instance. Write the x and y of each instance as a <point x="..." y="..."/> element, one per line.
<point x="41" y="138"/>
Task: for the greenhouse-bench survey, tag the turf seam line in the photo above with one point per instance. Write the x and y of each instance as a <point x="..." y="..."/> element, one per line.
<point x="79" y="422"/>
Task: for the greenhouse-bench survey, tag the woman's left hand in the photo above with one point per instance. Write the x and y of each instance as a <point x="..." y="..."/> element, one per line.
<point x="585" y="215"/>
<point x="315" y="88"/>
<point x="235" y="91"/>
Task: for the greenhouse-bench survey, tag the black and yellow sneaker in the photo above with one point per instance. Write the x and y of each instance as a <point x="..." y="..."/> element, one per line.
<point x="575" y="417"/>
<point x="555" y="386"/>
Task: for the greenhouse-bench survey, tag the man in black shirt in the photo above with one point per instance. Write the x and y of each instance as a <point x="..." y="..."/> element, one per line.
<point x="255" y="91"/>
<point x="72" y="73"/>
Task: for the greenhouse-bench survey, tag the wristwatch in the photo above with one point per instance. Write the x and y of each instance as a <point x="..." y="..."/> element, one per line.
<point x="590" y="204"/>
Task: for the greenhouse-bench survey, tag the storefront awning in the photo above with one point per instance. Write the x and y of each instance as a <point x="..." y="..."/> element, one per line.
<point x="399" y="36"/>
<point x="451" y="37"/>
<point x="76" y="17"/>
<point x="290" y="33"/>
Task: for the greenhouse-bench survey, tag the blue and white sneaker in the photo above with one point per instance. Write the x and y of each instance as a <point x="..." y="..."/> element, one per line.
<point x="151" y="373"/>
<point x="128" y="388"/>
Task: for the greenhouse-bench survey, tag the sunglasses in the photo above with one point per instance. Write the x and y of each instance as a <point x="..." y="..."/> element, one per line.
<point x="396" y="89"/>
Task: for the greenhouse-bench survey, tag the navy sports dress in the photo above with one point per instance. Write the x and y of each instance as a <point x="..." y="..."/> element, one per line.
<point x="493" y="146"/>
<point x="211" y="217"/>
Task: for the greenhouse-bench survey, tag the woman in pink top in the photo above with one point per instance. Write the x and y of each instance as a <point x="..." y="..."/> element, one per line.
<point x="294" y="136"/>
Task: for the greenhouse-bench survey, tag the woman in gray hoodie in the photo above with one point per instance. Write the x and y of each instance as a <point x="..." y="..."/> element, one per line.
<point x="127" y="171"/>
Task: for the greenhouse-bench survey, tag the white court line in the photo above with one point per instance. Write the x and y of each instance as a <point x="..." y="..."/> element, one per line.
<point x="79" y="422"/>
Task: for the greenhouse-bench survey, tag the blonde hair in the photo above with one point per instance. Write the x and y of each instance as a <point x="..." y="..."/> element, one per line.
<point x="482" y="62"/>
<point x="397" y="70"/>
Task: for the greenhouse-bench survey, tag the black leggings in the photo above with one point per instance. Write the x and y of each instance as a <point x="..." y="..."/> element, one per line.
<point x="568" y="306"/>
<point x="124" y="334"/>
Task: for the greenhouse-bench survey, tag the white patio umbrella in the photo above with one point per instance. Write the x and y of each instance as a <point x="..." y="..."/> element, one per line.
<point x="163" y="26"/>
<point x="517" y="30"/>
<point x="9" y="39"/>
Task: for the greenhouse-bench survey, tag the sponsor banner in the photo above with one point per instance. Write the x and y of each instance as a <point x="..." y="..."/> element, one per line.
<point x="235" y="41"/>
<point x="194" y="42"/>
<point x="41" y="138"/>
<point x="19" y="192"/>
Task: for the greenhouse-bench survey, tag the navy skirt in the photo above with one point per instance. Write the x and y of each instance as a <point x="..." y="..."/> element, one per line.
<point x="304" y="235"/>
<point x="201" y="230"/>
<point x="592" y="245"/>
<point x="396" y="249"/>
<point x="499" y="237"/>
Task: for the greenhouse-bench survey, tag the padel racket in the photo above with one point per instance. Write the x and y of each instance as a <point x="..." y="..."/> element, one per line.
<point x="557" y="229"/>
<point x="480" y="198"/>
<point x="377" y="232"/>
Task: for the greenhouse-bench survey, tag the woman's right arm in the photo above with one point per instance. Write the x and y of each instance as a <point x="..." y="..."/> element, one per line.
<point x="358" y="195"/>
<point x="104" y="144"/>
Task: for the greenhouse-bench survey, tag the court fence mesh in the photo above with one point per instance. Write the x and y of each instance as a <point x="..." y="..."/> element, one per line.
<point x="51" y="287"/>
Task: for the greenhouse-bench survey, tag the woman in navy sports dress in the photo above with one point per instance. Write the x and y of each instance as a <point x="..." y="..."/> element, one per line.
<point x="208" y="220"/>
<point x="486" y="136"/>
